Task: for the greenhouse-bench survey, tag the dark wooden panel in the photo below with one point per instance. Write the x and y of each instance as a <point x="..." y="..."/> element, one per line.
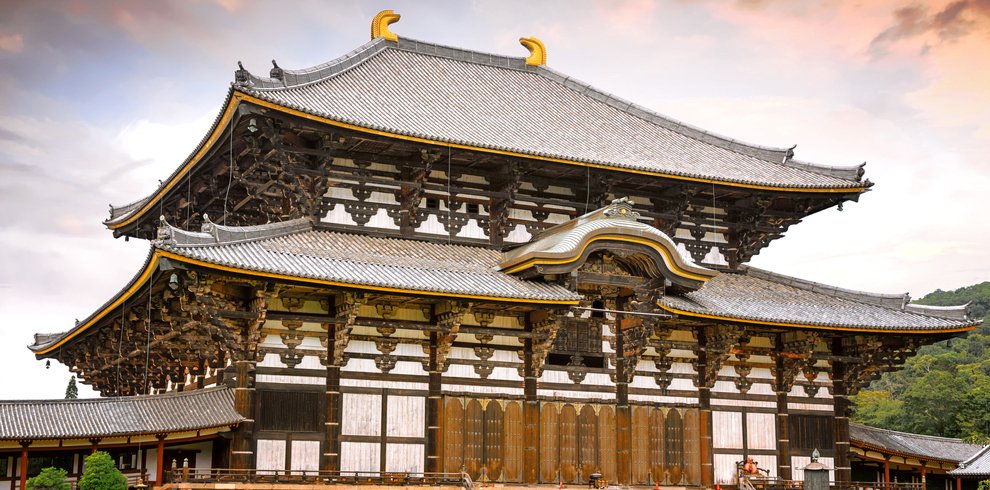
<point x="290" y="411"/>
<point x="474" y="438"/>
<point x="674" y="446"/>
<point x="657" y="467"/>
<point x="606" y="442"/>
<point x="568" y="443"/>
<point x="640" y="457"/>
<point x="587" y="441"/>
<point x="810" y="432"/>
<point x="513" y="445"/>
<point x="493" y="440"/>
<point x="549" y="438"/>
<point x="453" y="436"/>
<point x="692" y="447"/>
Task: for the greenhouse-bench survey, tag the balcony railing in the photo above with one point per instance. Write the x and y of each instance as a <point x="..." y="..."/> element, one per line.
<point x="226" y="475"/>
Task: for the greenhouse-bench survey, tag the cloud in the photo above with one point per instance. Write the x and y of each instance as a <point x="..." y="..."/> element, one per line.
<point x="11" y="43"/>
<point x="933" y="25"/>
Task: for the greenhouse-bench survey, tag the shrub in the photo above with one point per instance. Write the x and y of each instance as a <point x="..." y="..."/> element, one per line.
<point x="49" y="479"/>
<point x="101" y="474"/>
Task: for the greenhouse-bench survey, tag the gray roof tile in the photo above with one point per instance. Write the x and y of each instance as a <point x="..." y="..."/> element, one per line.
<point x="976" y="466"/>
<point x="929" y="447"/>
<point x="119" y="416"/>
<point x="761" y="296"/>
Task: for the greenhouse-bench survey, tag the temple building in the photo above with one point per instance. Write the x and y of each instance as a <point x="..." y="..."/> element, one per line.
<point x="423" y="259"/>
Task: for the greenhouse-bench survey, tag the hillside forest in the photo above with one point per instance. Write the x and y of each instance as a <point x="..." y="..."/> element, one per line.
<point x="944" y="390"/>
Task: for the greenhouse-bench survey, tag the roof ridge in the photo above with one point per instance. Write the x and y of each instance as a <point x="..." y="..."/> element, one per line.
<point x="281" y="78"/>
<point x="116" y="399"/>
<point x="975" y="457"/>
<point x="892" y="301"/>
<point x="214" y="234"/>
<point x="911" y="434"/>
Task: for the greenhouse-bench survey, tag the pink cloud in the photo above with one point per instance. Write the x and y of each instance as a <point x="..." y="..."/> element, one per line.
<point x="12" y="43"/>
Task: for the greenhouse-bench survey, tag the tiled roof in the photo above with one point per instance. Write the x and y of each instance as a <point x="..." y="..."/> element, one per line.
<point x="761" y="296"/>
<point x="120" y="416"/>
<point x="977" y="465"/>
<point x="360" y="260"/>
<point x="457" y="96"/>
<point x="904" y="443"/>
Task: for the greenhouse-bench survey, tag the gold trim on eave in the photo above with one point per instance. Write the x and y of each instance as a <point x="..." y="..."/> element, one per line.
<point x="677" y="311"/>
<point x="537" y="51"/>
<point x="668" y="259"/>
<point x="239" y="97"/>
<point x="379" y="25"/>
<point x="159" y="254"/>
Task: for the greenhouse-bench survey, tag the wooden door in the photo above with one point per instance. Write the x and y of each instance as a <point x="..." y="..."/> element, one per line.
<point x="513" y="445"/>
<point x="587" y="441"/>
<point x="640" y="444"/>
<point x="568" y="444"/>
<point x="606" y="442"/>
<point x="453" y="436"/>
<point x="549" y="448"/>
<point x="474" y="439"/>
<point x="674" y="446"/>
<point x="493" y="440"/>
<point x="692" y="445"/>
<point x="657" y="468"/>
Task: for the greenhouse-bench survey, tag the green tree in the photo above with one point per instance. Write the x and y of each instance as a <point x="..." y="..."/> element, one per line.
<point x="49" y="479"/>
<point x="72" y="391"/>
<point x="101" y="474"/>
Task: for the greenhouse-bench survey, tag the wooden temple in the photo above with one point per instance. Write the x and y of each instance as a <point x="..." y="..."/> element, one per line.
<point x="424" y="259"/>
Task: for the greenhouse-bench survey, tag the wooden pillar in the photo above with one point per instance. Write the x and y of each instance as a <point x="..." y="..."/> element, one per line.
<point x="886" y="471"/>
<point x="95" y="443"/>
<point x="160" y="460"/>
<point x="623" y="412"/>
<point x="924" y="481"/>
<point x="783" y="437"/>
<point x="334" y="408"/>
<point x="958" y="483"/>
<point x="24" y="463"/>
<point x="434" y="401"/>
<point x="843" y="470"/>
<point x="531" y="416"/>
<point x="242" y="444"/>
<point x="705" y="414"/>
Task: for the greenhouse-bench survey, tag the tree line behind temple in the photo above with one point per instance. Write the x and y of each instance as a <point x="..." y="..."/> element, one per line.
<point x="944" y="390"/>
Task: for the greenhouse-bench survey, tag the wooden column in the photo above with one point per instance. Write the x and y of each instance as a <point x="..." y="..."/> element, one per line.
<point x="531" y="416"/>
<point x="334" y="405"/>
<point x="242" y="444"/>
<point x="886" y="471"/>
<point x="24" y="464"/>
<point x="623" y="413"/>
<point x="160" y="460"/>
<point x="843" y="470"/>
<point x="958" y="483"/>
<point x="782" y="386"/>
<point x="705" y="415"/>
<point x="434" y="401"/>
<point x="95" y="443"/>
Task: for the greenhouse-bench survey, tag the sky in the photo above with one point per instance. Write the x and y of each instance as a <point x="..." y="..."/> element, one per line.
<point x="99" y="100"/>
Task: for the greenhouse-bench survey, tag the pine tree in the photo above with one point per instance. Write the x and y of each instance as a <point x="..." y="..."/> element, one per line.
<point x="71" y="391"/>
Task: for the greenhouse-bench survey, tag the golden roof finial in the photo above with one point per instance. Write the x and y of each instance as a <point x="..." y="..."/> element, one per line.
<point x="537" y="52"/>
<point x="379" y="25"/>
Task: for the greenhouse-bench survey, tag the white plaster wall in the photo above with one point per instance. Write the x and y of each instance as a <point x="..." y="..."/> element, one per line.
<point x="305" y="455"/>
<point x="727" y="430"/>
<point x="270" y="455"/>
<point x="761" y="431"/>
<point x="406" y="416"/>
<point x="405" y="457"/>
<point x="359" y="456"/>
<point x="362" y="415"/>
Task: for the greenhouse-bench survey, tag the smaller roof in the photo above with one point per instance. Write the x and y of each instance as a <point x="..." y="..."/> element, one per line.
<point x="907" y="444"/>
<point x="294" y="249"/>
<point x="568" y="244"/>
<point x="118" y="416"/>
<point x="976" y="466"/>
<point x="758" y="296"/>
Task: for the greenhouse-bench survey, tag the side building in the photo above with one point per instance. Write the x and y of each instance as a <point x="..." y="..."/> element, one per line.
<point x="418" y="258"/>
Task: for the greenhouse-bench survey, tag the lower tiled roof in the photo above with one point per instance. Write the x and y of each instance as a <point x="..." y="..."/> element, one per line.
<point x="360" y="260"/>
<point x="119" y="416"/>
<point x="761" y="297"/>
<point x="976" y="466"/>
<point x="904" y="443"/>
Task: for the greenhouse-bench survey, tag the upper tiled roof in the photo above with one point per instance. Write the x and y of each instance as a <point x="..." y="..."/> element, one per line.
<point x="760" y="296"/>
<point x="294" y="249"/>
<point x="904" y="443"/>
<point x="976" y="466"/>
<point x="458" y="96"/>
<point x="120" y="416"/>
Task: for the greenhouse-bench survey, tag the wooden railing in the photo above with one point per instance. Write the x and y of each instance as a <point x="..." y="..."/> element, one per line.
<point x="226" y="475"/>
<point x="774" y="483"/>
